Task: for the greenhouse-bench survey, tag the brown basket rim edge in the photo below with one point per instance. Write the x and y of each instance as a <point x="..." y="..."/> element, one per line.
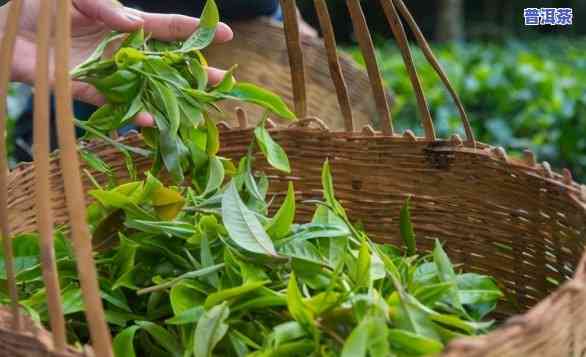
<point x="575" y="190"/>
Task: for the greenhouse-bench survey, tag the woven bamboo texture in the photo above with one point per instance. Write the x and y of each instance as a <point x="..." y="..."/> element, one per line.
<point x="514" y="219"/>
<point x="34" y="342"/>
<point x="259" y="49"/>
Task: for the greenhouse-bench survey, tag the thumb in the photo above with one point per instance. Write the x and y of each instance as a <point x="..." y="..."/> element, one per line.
<point x="111" y="13"/>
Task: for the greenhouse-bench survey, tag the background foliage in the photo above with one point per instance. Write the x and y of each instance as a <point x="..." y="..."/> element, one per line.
<point x="494" y="20"/>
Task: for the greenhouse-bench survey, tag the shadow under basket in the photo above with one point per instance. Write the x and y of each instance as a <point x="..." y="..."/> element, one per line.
<point x="517" y="221"/>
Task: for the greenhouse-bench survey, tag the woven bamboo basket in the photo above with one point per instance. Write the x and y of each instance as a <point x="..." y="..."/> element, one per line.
<point x="514" y="219"/>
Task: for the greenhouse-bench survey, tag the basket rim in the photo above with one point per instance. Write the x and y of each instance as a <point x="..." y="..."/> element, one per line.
<point x="543" y="171"/>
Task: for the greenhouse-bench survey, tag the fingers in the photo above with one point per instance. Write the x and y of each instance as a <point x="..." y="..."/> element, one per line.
<point x="215" y="75"/>
<point x="165" y="27"/>
<point x="171" y="27"/>
<point x="144" y="119"/>
<point x="306" y="30"/>
<point x="111" y="13"/>
<point x="86" y="93"/>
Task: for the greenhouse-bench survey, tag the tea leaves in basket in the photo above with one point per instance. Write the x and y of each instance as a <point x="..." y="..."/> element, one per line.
<point x="193" y="285"/>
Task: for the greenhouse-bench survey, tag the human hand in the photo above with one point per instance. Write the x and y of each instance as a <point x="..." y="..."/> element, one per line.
<point x="92" y="20"/>
<point x="305" y="29"/>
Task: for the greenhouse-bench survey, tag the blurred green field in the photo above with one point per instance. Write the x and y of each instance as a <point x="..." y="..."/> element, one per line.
<point x="518" y="95"/>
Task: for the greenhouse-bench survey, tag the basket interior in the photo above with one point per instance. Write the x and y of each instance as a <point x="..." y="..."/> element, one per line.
<point x="495" y="217"/>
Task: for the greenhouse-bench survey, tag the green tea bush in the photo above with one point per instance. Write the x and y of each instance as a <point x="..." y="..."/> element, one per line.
<point x="518" y="95"/>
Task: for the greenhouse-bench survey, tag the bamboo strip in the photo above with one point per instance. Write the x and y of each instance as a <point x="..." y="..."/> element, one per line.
<point x="291" y="25"/>
<point x="334" y="63"/>
<point x="242" y="118"/>
<point x="367" y="48"/>
<point x="401" y="37"/>
<point x="427" y="51"/>
<point x="99" y="332"/>
<point x="43" y="191"/>
<point x="6" y="53"/>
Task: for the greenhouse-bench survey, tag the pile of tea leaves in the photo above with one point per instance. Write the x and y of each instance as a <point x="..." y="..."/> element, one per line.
<point x="185" y="275"/>
<point x="216" y="268"/>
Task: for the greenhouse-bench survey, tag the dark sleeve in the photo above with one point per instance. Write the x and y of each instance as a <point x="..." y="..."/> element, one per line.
<point x="229" y="9"/>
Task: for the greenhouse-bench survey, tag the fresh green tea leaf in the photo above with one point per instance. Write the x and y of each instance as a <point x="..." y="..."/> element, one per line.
<point x="228" y="82"/>
<point x="233" y="293"/>
<point x="199" y="72"/>
<point x="296" y="306"/>
<point x="478" y="293"/>
<point x="362" y="272"/>
<point x="369" y="338"/>
<point x="211" y="328"/>
<point x="301" y="250"/>
<point x="189" y="316"/>
<point x="281" y="223"/>
<point x="250" y="93"/>
<point x="213" y="142"/>
<point x="328" y="187"/>
<point x="414" y="344"/>
<point x="429" y="294"/>
<point x="123" y="343"/>
<point x="447" y="275"/>
<point x="170" y="229"/>
<point x="99" y="51"/>
<point x="273" y="152"/>
<point x="162" y="337"/>
<point x="407" y="232"/>
<point x="184" y="296"/>
<point x="204" y="35"/>
<point x="216" y="175"/>
<point x="95" y="162"/>
<point x="243" y="226"/>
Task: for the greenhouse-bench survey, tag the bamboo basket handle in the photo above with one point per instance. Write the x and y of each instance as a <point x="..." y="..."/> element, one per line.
<point x="43" y="192"/>
<point x="6" y="53"/>
<point x="336" y="73"/>
<point x="427" y="51"/>
<point x="401" y="37"/>
<point x="74" y="195"/>
<point x="394" y="20"/>
<point x="292" y="36"/>
<point x="367" y="48"/>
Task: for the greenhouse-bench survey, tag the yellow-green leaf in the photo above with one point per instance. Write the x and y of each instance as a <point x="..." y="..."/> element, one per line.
<point x="233" y="293"/>
<point x="281" y="223"/>
<point x="250" y="93"/>
<point x="362" y="272"/>
<point x="406" y="227"/>
<point x="206" y="30"/>
<point x="297" y="308"/>
<point x="213" y="142"/>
